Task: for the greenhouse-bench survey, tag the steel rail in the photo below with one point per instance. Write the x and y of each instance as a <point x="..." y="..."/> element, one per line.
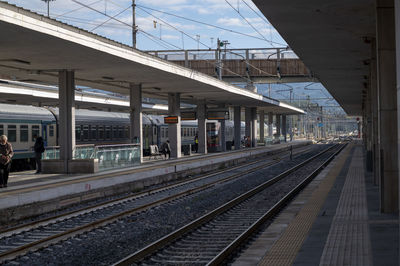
<point x="153" y="247"/>
<point x="229" y="250"/>
<point x="35" y="245"/>
<point x="67" y="215"/>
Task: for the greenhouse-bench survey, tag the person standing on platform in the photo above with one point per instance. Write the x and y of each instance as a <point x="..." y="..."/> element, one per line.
<point x="166" y="149"/>
<point x="196" y="143"/>
<point x="39" y="149"/>
<point x="6" y="153"/>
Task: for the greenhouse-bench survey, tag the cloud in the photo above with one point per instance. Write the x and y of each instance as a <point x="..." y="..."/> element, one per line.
<point x="239" y="22"/>
<point x="163" y="2"/>
<point x="230" y="22"/>
<point x="170" y="37"/>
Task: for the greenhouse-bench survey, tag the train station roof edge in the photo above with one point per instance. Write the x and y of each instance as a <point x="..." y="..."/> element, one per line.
<point x="34" y="41"/>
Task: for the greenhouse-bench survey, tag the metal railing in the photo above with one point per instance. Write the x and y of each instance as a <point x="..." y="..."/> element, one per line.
<point x="226" y="54"/>
<point x="109" y="156"/>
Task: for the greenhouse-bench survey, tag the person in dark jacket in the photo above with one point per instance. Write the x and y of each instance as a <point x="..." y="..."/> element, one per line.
<point x="6" y="153"/>
<point x="39" y="149"/>
<point x="166" y="149"/>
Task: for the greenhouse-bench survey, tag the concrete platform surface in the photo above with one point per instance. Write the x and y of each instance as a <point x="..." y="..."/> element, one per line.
<point x="335" y="221"/>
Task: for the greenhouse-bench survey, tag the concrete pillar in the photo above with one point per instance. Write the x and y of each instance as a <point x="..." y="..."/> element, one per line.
<point x="278" y="125"/>
<point x="247" y="121"/>
<point x="174" y="130"/>
<point x="237" y="127"/>
<point x="136" y="119"/>
<point x="253" y="132"/>
<point x="66" y="94"/>
<point x="284" y="128"/>
<point x="223" y="135"/>
<point x="261" y="115"/>
<point x="270" y="124"/>
<point x="397" y="32"/>
<point x="375" y="117"/>
<point x="368" y="129"/>
<point x="386" y="62"/>
<point x="201" y="120"/>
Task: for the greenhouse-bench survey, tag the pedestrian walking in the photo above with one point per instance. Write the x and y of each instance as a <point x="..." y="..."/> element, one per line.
<point x="6" y="153"/>
<point x="39" y="149"/>
<point x="196" y="143"/>
<point x="166" y="149"/>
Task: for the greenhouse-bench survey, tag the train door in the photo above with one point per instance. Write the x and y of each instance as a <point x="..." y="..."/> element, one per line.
<point x="44" y="133"/>
<point x="212" y="136"/>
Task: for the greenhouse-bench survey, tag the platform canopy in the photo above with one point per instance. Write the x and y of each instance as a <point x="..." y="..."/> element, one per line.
<point x="34" y="48"/>
<point x="332" y="38"/>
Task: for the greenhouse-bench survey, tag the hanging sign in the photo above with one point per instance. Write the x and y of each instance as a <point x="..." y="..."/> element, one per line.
<point x="188" y="115"/>
<point x="170" y="119"/>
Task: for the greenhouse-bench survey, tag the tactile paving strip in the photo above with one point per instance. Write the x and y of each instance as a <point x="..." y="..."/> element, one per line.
<point x="348" y="241"/>
<point x="285" y="249"/>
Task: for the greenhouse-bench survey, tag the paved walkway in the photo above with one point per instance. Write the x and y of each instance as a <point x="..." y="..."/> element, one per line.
<point x="335" y="221"/>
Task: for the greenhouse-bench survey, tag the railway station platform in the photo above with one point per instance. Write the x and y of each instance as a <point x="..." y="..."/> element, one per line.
<point x="336" y="220"/>
<point x="28" y="194"/>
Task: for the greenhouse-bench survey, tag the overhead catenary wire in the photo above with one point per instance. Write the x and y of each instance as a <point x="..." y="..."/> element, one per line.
<point x="124" y="23"/>
<point x="76" y="9"/>
<point x="248" y="22"/>
<point x="198" y="41"/>
<point x="101" y="24"/>
<point x="258" y="14"/>
<point x="207" y="24"/>
<point x="159" y="39"/>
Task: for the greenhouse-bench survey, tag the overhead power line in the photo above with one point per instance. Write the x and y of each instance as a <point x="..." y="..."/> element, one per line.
<point x="248" y="22"/>
<point x="101" y="24"/>
<point x="198" y="41"/>
<point x="258" y="14"/>
<point x="79" y="8"/>
<point x="122" y="22"/>
<point x="207" y="24"/>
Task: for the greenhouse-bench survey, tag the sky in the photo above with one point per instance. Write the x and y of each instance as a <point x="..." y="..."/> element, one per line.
<point x="157" y="31"/>
<point x="177" y="27"/>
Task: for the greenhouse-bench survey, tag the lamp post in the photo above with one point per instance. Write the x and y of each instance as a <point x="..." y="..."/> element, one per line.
<point x="48" y="6"/>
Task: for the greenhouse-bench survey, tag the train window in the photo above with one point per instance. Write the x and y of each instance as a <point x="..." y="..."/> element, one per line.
<point x="127" y="132"/>
<point x="181" y="131"/>
<point x="93" y="132"/>
<point x="35" y="131"/>
<point x="120" y="132"/>
<point x="101" y="132"/>
<point x="1" y="129"/>
<point x="51" y="131"/>
<point x="23" y="133"/>
<point x="166" y="132"/>
<point x="78" y="132"/>
<point x="154" y="131"/>
<point x="108" y="132"/>
<point x="115" y="132"/>
<point x="12" y="133"/>
<point x="162" y="132"/>
<point x="85" y="132"/>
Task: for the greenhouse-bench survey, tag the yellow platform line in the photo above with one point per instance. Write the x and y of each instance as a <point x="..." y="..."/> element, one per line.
<point x="286" y="248"/>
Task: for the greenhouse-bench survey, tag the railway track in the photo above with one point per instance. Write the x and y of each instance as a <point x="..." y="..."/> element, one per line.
<point x="19" y="240"/>
<point x="214" y="237"/>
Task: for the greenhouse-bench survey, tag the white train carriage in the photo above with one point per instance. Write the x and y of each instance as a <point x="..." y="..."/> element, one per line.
<point x="20" y="123"/>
